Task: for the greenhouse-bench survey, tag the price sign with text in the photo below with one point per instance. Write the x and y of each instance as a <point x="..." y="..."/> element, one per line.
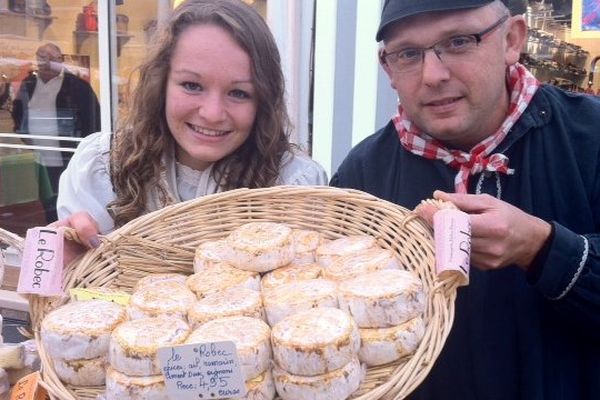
<point x="202" y="371"/>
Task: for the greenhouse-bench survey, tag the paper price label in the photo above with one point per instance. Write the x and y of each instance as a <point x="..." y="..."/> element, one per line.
<point x="202" y="371"/>
<point x="82" y="294"/>
<point x="42" y="264"/>
<point x="27" y="388"/>
<point x="452" y="237"/>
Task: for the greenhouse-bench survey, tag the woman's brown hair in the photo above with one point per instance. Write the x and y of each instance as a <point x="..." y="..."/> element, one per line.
<point x="143" y="135"/>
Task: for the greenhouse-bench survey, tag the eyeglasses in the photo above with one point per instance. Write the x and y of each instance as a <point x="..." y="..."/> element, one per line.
<point x="453" y="48"/>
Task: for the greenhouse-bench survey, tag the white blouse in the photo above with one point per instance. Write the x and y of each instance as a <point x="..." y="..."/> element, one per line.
<point x="85" y="184"/>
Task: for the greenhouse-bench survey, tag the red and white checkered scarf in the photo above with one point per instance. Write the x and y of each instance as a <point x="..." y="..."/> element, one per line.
<point x="522" y="85"/>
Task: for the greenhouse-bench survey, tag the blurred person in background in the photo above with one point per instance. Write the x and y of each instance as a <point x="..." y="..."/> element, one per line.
<point x="51" y="101"/>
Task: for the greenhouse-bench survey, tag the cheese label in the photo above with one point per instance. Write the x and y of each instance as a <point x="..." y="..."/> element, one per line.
<point x="202" y="371"/>
<point x="28" y="388"/>
<point x="42" y="266"/>
<point x="452" y="240"/>
<point x="82" y="294"/>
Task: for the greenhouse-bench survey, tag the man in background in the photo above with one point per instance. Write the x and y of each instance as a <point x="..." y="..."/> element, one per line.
<point x="54" y="102"/>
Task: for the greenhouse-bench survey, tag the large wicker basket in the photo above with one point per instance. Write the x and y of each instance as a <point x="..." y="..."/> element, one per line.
<point x="165" y="241"/>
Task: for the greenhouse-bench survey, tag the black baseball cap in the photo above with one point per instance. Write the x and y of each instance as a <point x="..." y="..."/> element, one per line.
<point x="395" y="10"/>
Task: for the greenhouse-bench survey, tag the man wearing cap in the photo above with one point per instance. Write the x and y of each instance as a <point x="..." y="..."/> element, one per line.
<point x="522" y="159"/>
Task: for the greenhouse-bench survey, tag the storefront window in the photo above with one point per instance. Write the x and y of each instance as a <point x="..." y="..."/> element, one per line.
<point x="49" y="100"/>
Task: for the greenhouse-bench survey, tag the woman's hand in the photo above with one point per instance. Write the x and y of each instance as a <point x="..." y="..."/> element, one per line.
<point x="501" y="234"/>
<point x="87" y="230"/>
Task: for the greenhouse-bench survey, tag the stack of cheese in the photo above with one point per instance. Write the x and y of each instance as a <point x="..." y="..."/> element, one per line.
<point x="319" y="296"/>
<point x="315" y="353"/>
<point x="134" y="372"/>
<point x="76" y="337"/>
<point x="387" y="305"/>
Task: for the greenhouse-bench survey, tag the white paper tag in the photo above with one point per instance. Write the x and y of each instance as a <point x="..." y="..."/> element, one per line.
<point x="202" y="371"/>
<point x="452" y="236"/>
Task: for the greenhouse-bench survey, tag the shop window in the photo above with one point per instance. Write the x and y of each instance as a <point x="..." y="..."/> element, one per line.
<point x="49" y="100"/>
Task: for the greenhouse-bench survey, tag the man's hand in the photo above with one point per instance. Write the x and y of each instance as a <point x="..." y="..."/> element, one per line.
<point x="87" y="230"/>
<point x="501" y="234"/>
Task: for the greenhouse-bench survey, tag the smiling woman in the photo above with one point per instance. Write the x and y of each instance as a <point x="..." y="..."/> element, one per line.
<point x="207" y="115"/>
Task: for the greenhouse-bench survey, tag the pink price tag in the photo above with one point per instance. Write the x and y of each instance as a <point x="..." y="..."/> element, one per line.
<point x="452" y="237"/>
<point x="42" y="265"/>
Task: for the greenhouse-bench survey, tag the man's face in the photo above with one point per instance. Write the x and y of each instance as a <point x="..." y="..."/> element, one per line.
<point x="459" y="98"/>
<point x="49" y="62"/>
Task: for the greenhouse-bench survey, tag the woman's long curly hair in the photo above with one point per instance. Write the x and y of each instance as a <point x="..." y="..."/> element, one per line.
<point x="143" y="135"/>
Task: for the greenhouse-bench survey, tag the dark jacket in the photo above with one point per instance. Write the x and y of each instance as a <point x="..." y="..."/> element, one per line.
<point x="510" y="340"/>
<point x="77" y="108"/>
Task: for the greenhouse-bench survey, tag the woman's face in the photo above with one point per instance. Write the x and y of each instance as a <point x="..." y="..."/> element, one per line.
<point x="211" y="100"/>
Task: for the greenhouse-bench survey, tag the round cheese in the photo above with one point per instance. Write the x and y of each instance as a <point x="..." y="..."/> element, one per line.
<point x="209" y="254"/>
<point x="383" y="298"/>
<point x="250" y="335"/>
<point x="81" y="330"/>
<point x="384" y="345"/>
<point x="290" y="273"/>
<point x="123" y="387"/>
<point x="230" y="302"/>
<point x="134" y="344"/>
<point x="315" y="342"/>
<point x="261" y="246"/>
<point x="260" y="388"/>
<point x="329" y="251"/>
<point x="221" y="277"/>
<point x="159" y="278"/>
<point x="352" y="265"/>
<point x="292" y="297"/>
<point x="168" y="297"/>
<point x="335" y="385"/>
<point x="306" y="243"/>
<point x="81" y="372"/>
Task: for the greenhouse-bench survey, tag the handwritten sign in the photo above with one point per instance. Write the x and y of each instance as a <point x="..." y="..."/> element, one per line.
<point x="28" y="388"/>
<point x="202" y="371"/>
<point x="42" y="265"/>
<point x="82" y="294"/>
<point x="452" y="237"/>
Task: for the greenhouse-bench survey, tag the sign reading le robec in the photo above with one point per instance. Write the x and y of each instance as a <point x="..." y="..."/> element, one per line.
<point x="202" y="371"/>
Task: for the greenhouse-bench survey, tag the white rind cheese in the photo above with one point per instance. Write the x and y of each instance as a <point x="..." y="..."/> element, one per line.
<point x="315" y="342"/>
<point x="335" y="385"/>
<point x="221" y="277"/>
<point x="261" y="246"/>
<point x="81" y="329"/>
<point x="369" y="260"/>
<point x="383" y="298"/>
<point x="81" y="372"/>
<point x="134" y="344"/>
<point x="290" y="273"/>
<point x="250" y="335"/>
<point x="292" y="297"/>
<point x="209" y="254"/>
<point x="230" y="302"/>
<point x="327" y="252"/>
<point x="123" y="387"/>
<point x="306" y="242"/>
<point x="383" y="345"/>
<point x="260" y="388"/>
<point x="159" y="278"/>
<point x="166" y="297"/>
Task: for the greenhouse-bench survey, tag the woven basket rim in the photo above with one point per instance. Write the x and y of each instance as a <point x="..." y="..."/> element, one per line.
<point x="393" y="381"/>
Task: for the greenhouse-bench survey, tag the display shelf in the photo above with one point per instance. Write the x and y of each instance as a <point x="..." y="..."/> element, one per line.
<point x="16" y="23"/>
<point x="81" y="36"/>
